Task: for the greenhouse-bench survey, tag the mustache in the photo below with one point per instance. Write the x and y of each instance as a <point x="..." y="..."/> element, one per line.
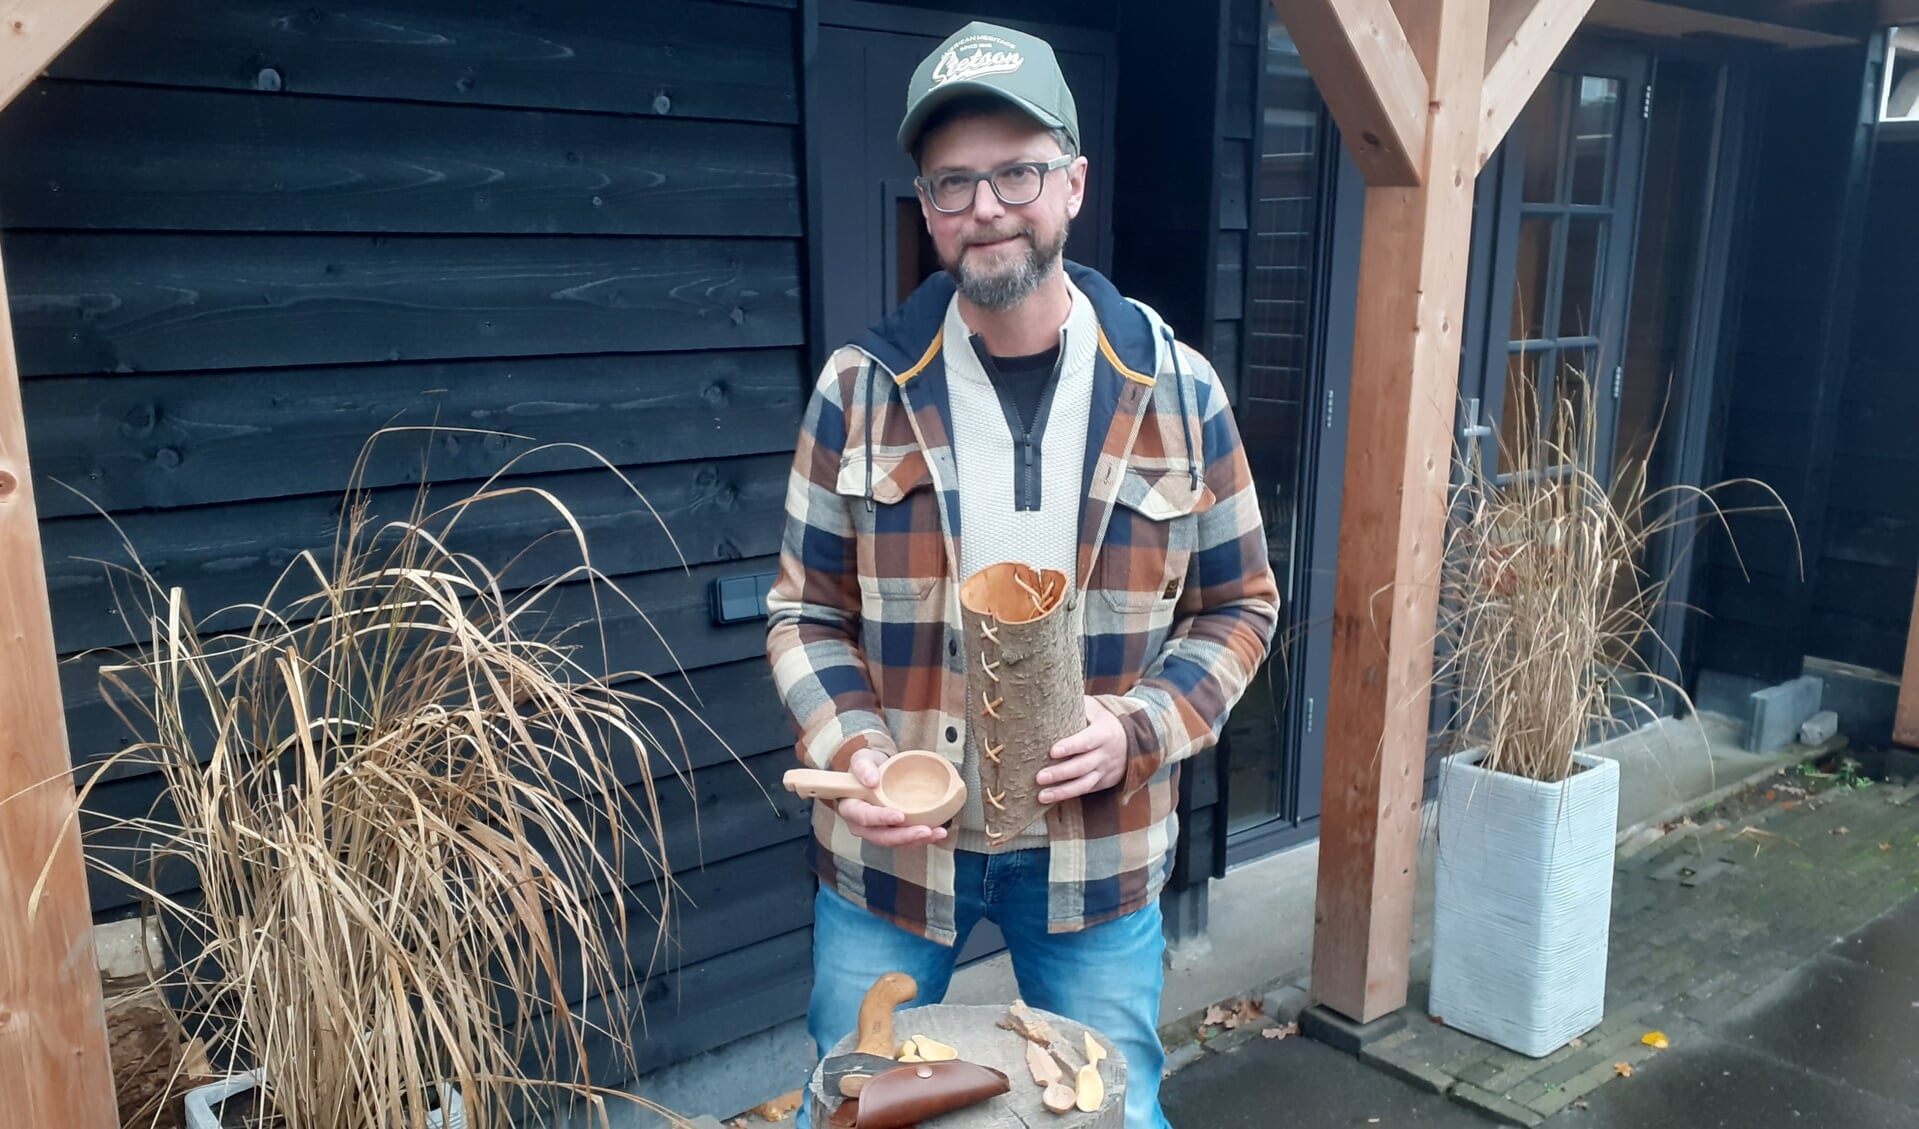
<point x="995" y="237"/>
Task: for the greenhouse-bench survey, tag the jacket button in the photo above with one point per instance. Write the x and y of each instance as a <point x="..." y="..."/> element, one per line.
<point x="952" y="646"/>
<point x="952" y="734"/>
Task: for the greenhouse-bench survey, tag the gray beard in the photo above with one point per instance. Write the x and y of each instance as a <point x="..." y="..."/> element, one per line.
<point x="1014" y="283"/>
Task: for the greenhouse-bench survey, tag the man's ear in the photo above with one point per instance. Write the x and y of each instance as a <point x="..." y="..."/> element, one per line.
<point x="1076" y="181"/>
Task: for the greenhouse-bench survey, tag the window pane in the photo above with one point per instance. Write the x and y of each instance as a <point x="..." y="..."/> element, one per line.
<point x="1532" y="272"/>
<point x="1518" y="413"/>
<point x="1540" y="125"/>
<point x="1585" y="265"/>
<point x="1277" y="409"/>
<point x="1570" y="402"/>
<point x="1595" y="136"/>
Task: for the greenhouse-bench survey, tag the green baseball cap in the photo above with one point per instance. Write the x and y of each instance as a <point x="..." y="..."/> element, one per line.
<point x="983" y="58"/>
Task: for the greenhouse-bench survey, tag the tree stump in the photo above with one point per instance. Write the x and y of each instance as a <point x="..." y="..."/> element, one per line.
<point x="971" y="1030"/>
<point x="1025" y="684"/>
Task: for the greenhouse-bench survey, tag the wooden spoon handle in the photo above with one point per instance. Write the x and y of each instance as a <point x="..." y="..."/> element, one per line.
<point x="812" y="784"/>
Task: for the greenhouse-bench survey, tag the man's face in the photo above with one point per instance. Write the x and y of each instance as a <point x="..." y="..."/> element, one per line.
<point x="997" y="253"/>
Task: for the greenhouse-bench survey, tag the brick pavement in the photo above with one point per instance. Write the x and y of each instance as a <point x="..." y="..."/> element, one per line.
<point x="1707" y="915"/>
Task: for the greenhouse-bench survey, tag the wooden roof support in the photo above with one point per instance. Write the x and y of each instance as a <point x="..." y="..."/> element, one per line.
<point x="1526" y="36"/>
<point x="33" y="33"/>
<point x="53" y="1037"/>
<point x="1412" y="299"/>
<point x="1365" y="69"/>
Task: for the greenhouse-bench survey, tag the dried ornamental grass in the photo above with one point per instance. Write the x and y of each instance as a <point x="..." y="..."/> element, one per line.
<point x="400" y="798"/>
<point x="1546" y="595"/>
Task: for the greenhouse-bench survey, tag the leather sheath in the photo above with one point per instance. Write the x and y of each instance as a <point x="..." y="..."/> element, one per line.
<point x="912" y="1092"/>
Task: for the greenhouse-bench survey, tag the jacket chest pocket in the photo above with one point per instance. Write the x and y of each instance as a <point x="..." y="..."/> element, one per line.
<point x="1150" y="539"/>
<point x="901" y="548"/>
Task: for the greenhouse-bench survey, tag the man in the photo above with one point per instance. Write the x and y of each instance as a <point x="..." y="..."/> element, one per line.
<point x="1014" y="408"/>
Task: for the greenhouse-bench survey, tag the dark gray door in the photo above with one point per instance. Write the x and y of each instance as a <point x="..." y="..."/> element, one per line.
<point x="873" y="244"/>
<point x="874" y="247"/>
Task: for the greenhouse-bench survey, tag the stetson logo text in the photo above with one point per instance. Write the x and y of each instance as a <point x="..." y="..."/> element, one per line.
<point x="974" y="56"/>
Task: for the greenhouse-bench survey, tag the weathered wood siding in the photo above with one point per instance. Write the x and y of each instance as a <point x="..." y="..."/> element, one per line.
<point x="243" y="235"/>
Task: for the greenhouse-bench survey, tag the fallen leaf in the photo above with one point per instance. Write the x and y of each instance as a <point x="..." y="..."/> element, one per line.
<point x="1623" y="1069"/>
<point x="1437" y="1019"/>
<point x="1842" y="831"/>
<point x="1215" y="1016"/>
<point x="1575" y="1042"/>
<point x="1771" y="795"/>
<point x="1280" y="1032"/>
<point x="1655" y="1039"/>
<point x="780" y="1108"/>
<point x="1885" y="846"/>
<point x="1789" y="805"/>
<point x="1580" y="1103"/>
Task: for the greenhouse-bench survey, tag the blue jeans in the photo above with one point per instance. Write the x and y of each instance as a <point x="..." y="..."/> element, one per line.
<point x="1108" y="977"/>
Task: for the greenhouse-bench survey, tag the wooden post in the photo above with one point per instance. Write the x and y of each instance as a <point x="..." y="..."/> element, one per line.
<point x="1412" y="297"/>
<point x="1905" y="727"/>
<point x="53" y="1036"/>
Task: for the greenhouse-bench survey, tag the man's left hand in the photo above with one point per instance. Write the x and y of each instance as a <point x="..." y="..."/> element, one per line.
<point x="1092" y="759"/>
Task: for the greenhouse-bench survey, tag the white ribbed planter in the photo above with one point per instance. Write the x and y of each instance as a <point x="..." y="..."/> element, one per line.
<point x="1522" y="904"/>
<point x="202" y="1103"/>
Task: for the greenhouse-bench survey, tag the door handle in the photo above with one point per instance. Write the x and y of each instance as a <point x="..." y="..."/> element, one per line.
<point x="1472" y="428"/>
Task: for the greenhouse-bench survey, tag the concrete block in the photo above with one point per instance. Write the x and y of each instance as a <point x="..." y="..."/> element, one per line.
<point x="1285" y="1004"/>
<point x="117" y="948"/>
<point x="1819" y="728"/>
<point x="1335" y="1030"/>
<point x="1777" y="712"/>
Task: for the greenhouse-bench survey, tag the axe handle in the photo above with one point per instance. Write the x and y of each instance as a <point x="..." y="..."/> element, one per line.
<point x="876" y="1013"/>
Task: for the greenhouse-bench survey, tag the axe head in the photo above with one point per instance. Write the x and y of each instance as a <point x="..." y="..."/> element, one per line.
<point x="847" y="1074"/>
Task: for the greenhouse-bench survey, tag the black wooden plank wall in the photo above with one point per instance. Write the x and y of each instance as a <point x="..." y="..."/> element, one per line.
<point x="1869" y="553"/>
<point x="1799" y="241"/>
<point x="245" y="234"/>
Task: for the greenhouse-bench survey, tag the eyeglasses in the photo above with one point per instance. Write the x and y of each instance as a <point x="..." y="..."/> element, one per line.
<point x="1015" y="185"/>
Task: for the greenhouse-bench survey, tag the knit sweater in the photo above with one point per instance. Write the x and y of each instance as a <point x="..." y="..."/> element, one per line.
<point x="994" y="528"/>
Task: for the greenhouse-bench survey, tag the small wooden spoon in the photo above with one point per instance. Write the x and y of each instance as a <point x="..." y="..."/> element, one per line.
<point x="1091" y="1091"/>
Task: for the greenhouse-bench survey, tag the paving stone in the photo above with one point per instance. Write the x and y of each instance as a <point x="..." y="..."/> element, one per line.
<point x="1406" y="1068"/>
<point x="1479" y="1073"/>
<point x="1183" y="1056"/>
<point x="1494" y="1106"/>
<point x="1578" y="1064"/>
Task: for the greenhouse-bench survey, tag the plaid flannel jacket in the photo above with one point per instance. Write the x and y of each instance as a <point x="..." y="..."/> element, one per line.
<point x="1178" y="601"/>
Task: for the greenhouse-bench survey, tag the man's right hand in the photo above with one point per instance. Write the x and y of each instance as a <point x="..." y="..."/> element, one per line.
<point x="881" y="826"/>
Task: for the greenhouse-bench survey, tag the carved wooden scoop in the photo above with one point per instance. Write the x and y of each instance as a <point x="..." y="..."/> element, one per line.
<point x="923" y="785"/>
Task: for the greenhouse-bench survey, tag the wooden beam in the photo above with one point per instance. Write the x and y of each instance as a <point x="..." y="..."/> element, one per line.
<point x="1644" y="17"/>
<point x="1364" y="67"/>
<point x="1412" y="297"/>
<point x="1526" y="38"/>
<point x="33" y="33"/>
<point x="53" y="1033"/>
<point x="53" y="1036"/>
<point x="1905" y="727"/>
